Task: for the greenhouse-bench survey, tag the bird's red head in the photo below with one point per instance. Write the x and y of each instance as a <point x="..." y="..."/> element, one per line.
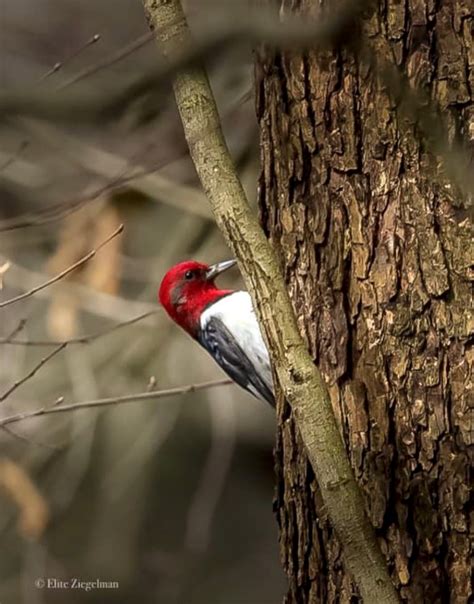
<point x="188" y="288"/>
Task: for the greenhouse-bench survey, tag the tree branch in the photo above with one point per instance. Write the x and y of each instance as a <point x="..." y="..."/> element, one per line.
<point x="299" y="379"/>
<point x="60" y="64"/>
<point x="31" y="373"/>
<point x="84" y="339"/>
<point x="15" y="332"/>
<point x="63" y="273"/>
<point x="58" y="407"/>
<point x="111" y="59"/>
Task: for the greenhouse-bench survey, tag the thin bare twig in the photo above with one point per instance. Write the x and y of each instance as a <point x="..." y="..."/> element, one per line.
<point x="15" y="332"/>
<point x="108" y="61"/>
<point x="61" y="210"/>
<point x="145" y="180"/>
<point x="30" y="374"/>
<point x="114" y="400"/>
<point x="106" y="164"/>
<point x="65" y="272"/>
<point x="60" y="64"/>
<point x="29" y="441"/>
<point x="111" y="307"/>
<point x="84" y="73"/>
<point x="85" y="339"/>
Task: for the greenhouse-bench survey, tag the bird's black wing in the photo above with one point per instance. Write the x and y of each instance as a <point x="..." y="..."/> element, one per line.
<point x="220" y="343"/>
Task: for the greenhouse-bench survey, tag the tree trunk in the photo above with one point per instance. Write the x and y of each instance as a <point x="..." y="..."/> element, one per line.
<point x="376" y="250"/>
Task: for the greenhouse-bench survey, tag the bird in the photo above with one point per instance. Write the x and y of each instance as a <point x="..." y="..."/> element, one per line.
<point x="222" y="321"/>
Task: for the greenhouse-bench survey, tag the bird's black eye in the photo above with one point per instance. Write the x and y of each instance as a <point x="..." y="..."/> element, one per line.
<point x="188" y="275"/>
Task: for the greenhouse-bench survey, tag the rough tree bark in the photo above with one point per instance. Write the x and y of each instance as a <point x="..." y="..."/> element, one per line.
<point x="377" y="251"/>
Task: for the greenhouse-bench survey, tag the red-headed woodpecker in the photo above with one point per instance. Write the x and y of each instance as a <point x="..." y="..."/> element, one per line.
<point x="223" y="321"/>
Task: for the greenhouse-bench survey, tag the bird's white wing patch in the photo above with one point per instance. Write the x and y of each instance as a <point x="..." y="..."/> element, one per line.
<point x="237" y="313"/>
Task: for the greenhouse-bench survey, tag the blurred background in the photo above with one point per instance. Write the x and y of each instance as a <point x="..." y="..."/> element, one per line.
<point x="171" y="499"/>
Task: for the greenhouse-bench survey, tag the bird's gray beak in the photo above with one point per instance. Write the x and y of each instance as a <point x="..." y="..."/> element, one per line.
<point x="216" y="269"/>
